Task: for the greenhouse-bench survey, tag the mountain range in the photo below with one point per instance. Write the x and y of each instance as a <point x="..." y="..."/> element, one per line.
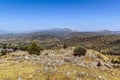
<point x="59" y="32"/>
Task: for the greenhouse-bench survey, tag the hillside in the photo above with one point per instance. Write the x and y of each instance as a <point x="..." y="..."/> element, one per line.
<point x="58" y="32"/>
<point x="65" y="33"/>
<point x="105" y="44"/>
<point x="104" y="41"/>
<point x="57" y="65"/>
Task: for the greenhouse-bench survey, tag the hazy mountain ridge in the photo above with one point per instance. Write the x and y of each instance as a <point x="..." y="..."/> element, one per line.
<point x="57" y="32"/>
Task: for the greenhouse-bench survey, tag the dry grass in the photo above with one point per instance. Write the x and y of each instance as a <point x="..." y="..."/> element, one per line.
<point x="65" y="72"/>
<point x="98" y="54"/>
<point x="68" y="71"/>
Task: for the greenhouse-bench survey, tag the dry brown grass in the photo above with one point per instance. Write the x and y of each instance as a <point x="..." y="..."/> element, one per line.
<point x="65" y="72"/>
<point x="68" y="71"/>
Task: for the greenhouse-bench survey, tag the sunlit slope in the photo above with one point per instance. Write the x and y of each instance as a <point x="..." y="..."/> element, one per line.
<point x="56" y="65"/>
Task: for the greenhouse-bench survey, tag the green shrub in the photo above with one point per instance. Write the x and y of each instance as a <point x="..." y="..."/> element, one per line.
<point x="79" y="51"/>
<point x="4" y="46"/>
<point x="34" y="49"/>
<point x="3" y="52"/>
<point x="23" y="47"/>
<point x="65" y="46"/>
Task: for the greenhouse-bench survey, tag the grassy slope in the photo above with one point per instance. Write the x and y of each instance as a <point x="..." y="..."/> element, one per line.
<point x="68" y="71"/>
<point x="27" y="72"/>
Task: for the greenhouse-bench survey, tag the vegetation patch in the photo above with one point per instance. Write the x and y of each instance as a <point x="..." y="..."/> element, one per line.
<point x="79" y="51"/>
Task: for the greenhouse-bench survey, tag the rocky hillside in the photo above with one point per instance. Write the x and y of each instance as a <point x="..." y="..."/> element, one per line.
<point x="57" y="65"/>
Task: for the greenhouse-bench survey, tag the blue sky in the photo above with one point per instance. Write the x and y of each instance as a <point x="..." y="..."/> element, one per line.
<point x="82" y="15"/>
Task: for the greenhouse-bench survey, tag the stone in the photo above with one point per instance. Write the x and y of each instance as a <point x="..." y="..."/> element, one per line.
<point x="67" y="60"/>
<point x="26" y="57"/>
<point x="81" y="74"/>
<point x="101" y="78"/>
<point x="100" y="63"/>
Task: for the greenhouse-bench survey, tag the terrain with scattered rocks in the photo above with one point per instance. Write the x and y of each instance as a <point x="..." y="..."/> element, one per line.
<point x="57" y="65"/>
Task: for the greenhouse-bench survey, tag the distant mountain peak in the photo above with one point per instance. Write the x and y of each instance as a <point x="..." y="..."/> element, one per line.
<point x="105" y="30"/>
<point x="61" y="29"/>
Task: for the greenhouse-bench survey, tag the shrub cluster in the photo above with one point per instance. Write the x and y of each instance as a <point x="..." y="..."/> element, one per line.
<point x="65" y="46"/>
<point x="79" y="51"/>
<point x="34" y="49"/>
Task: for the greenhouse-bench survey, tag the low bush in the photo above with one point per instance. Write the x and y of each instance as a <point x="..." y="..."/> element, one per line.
<point x="3" y="52"/>
<point x="34" y="49"/>
<point x="65" y="46"/>
<point x="79" y="51"/>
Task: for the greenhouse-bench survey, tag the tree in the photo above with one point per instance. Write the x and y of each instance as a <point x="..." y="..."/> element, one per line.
<point x="3" y="52"/>
<point x="34" y="49"/>
<point x="79" y="51"/>
<point x="4" y="46"/>
<point x="65" y="46"/>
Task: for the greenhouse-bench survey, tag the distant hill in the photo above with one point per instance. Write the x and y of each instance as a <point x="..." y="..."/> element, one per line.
<point x="56" y="31"/>
<point x="65" y="33"/>
<point x="108" y="32"/>
<point x="61" y="33"/>
<point x="49" y="33"/>
<point x="104" y="41"/>
<point x="107" y="44"/>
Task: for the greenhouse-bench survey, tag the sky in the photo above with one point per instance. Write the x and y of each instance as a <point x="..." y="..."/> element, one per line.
<point x="81" y="15"/>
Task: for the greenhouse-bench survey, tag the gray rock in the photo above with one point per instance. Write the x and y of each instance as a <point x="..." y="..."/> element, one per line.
<point x="67" y="60"/>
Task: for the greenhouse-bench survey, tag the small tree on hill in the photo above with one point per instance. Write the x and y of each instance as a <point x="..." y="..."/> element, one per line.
<point x="65" y="46"/>
<point x="34" y="49"/>
<point x="3" y="52"/>
<point x="79" y="51"/>
<point x="4" y="46"/>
